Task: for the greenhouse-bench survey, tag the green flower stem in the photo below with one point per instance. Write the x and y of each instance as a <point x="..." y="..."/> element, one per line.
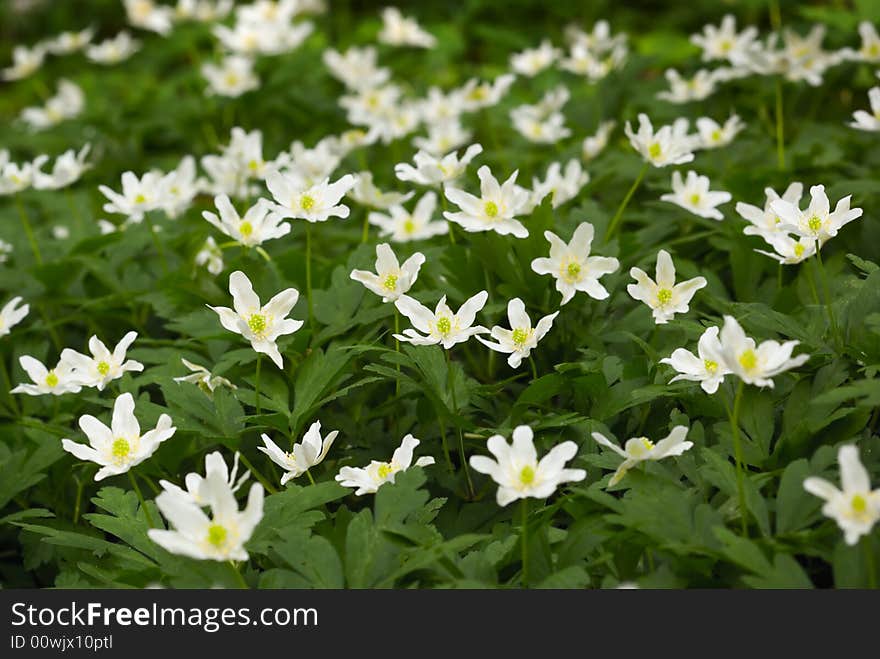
<point x="309" y="276"/>
<point x="737" y="451"/>
<point x="461" y="453"/>
<point x="445" y="206"/>
<point x="238" y="576"/>
<point x="263" y="480"/>
<point x="309" y="474"/>
<point x="446" y="447"/>
<point x="156" y="242"/>
<point x="140" y="497"/>
<point x="366" y="233"/>
<point x="28" y="230"/>
<point x="524" y="541"/>
<point x="832" y="320"/>
<point x="13" y="403"/>
<point x="780" y="126"/>
<point x="534" y="368"/>
<point x="257" y="381"/>
<point x="397" y="349"/>
<point x="619" y="214"/>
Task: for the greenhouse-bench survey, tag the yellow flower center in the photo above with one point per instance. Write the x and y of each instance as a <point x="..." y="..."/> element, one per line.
<point x="695" y="198"/>
<point x="527" y="475"/>
<point x="103" y="368"/>
<point x="51" y="379"/>
<point x="307" y="202"/>
<point x="444" y="325"/>
<point x="491" y="209"/>
<point x="748" y="360"/>
<point x="253" y="165"/>
<point x="120" y="449"/>
<point x="257" y="323"/>
<point x="245" y="229"/>
<point x="859" y="504"/>
<point x="520" y="336"/>
<point x="409" y="226"/>
<point x="873" y="50"/>
<point x="231" y="79"/>
<point x="139" y="199"/>
<point x="814" y="223"/>
<point x="572" y="271"/>
<point x="217" y="535"/>
<point x="664" y="296"/>
<point x="385" y="470"/>
<point x="655" y="150"/>
<point x="799" y="249"/>
<point x="716" y="135"/>
<point x="478" y="93"/>
<point x="390" y="282"/>
<point x="710" y="366"/>
<point x="726" y="45"/>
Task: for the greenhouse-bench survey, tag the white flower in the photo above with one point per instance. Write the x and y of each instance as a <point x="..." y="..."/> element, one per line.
<point x="121" y="446"/>
<point x="521" y="338"/>
<point x="594" y="144"/>
<point x="693" y="194"/>
<point x="366" y="193"/>
<point x="14" y="177"/>
<point x="215" y="467"/>
<point x="494" y="210"/>
<point x="439" y="108"/>
<point x="723" y="42"/>
<point x="211" y="256"/>
<point x="788" y="250"/>
<point x="315" y="203"/>
<point x="817" y="221"/>
<point x="60" y="232"/>
<point x="356" y="68"/>
<point x="391" y="279"/>
<point x="664" y="296"/>
<point x="138" y="196"/>
<point x="665" y="147"/>
<point x="477" y="94"/>
<point x="441" y="326"/>
<point x="69" y="42"/>
<point x="146" y="15"/>
<point x="220" y="537"/>
<point x="103" y="366"/>
<point x="233" y="77"/>
<point x="573" y="267"/>
<point x="114" y="50"/>
<point x="303" y="456"/>
<point x="712" y="135"/>
<point x="403" y="226"/>
<point x="865" y="121"/>
<point x="765" y="222"/>
<point x="431" y="170"/>
<point x="755" y="364"/>
<point x="855" y="508"/>
<point x="258" y="225"/>
<point x="532" y="61"/>
<point x="562" y="186"/>
<point x="540" y="130"/>
<point x="370" y="478"/>
<point x="261" y="325"/>
<point x="308" y="166"/>
<point x="24" y="62"/>
<point x="57" y="381"/>
<point x="68" y="168"/>
<point x="639" y="449"/>
<point x="870" y="48"/>
<point x="517" y="470"/>
<point x="708" y="368"/>
<point x="67" y="103"/>
<point x="443" y="136"/>
<point x="11" y="315"/>
<point x="262" y="37"/>
<point x="202" y="377"/>
<point x="400" y="30"/>
<point x="684" y="90"/>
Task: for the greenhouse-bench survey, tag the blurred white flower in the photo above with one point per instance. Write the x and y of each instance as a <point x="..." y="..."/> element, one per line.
<point x="211" y="256"/>
<point x="232" y="77"/>
<point x="685" y="90"/>
<point x="666" y="146"/>
<point x="400" y="30"/>
<point x="67" y="103"/>
<point x="870" y="122"/>
<point x="356" y="68"/>
<point x="12" y="314"/>
<point x="113" y="50"/>
<point x="693" y="195"/>
<point x="402" y="226"/>
<point x="594" y="144"/>
<point x="432" y="170"/>
<point x="725" y="43"/>
<point x="69" y="42"/>
<point x="147" y="15"/>
<point x="370" y="478"/>
<point x="366" y="193"/>
<point x="639" y="449"/>
<point x="258" y="225"/>
<point x="67" y="169"/>
<point x="712" y="135"/>
<point x="532" y="61"/>
<point x="24" y="62"/>
<point x="562" y="186"/>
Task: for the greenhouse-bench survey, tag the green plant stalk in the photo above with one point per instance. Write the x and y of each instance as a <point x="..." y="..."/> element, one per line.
<point x="445" y="206"/>
<point x="832" y="320"/>
<point x="28" y="230"/>
<point x="534" y="368"/>
<point x="257" y="381"/>
<point x="309" y="474"/>
<point x="397" y="349"/>
<point x="309" y="276"/>
<point x="780" y="126"/>
<point x="737" y="451"/>
<point x="238" y="576"/>
<point x="366" y="232"/>
<point x="140" y="497"/>
<point x="524" y="541"/>
<point x="156" y="242"/>
<point x="263" y="480"/>
<point x="13" y="403"/>
<point x="461" y="453"/>
<point x="612" y="227"/>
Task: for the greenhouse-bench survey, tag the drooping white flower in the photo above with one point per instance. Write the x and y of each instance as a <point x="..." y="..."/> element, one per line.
<point x="573" y="267"/>
<point x="693" y="194"/>
<point x="211" y="256"/>
<point x="788" y="250"/>
<point x="724" y="42"/>
<point x="431" y="170"/>
<point x="441" y="326"/>
<point x="477" y="94"/>
<point x="66" y="170"/>
<point x="439" y="107"/>
<point x="756" y="364"/>
<point x="664" y="296"/>
<point x="402" y="226"/>
<point x="593" y="145"/>
<point x="855" y="507"/>
<point x="494" y="210"/>
<point x="259" y="324"/>
<point x="57" y="381"/>
<point x="113" y="50"/>
<point x="103" y="366"/>
<point x="356" y="68"/>
<point x="707" y="367"/>
<point x="443" y="137"/>
<point x="304" y="455"/>
<point x="684" y="90"/>
<point x="521" y="338"/>
<point x="370" y="478"/>
<point x="215" y="467"/>
<point x="69" y="42"/>
<point x="367" y="194"/>
<point x="639" y="449"/>
<point x="543" y="123"/>
<point x="147" y="15"/>
<point x="817" y="221"/>
<point x="400" y="30"/>
<point x="664" y="147"/>
<point x="562" y="186"/>
<point x="258" y="225"/>
<point x="121" y="446"/>
<point x="220" y="537"/>
<point x="24" y="62"/>
<point x="202" y="377"/>
<point x="11" y="314"/>
<point x="232" y="77"/>
<point x="315" y="203"/>
<point x="765" y="222"/>
<point x="15" y="177"/>
<point x="869" y="50"/>
<point x="868" y="121"/>
<point x="532" y="61"/>
<point x="391" y="280"/>
<point x="713" y="135"/>
<point x="67" y="103"/>
<point x="517" y="470"/>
